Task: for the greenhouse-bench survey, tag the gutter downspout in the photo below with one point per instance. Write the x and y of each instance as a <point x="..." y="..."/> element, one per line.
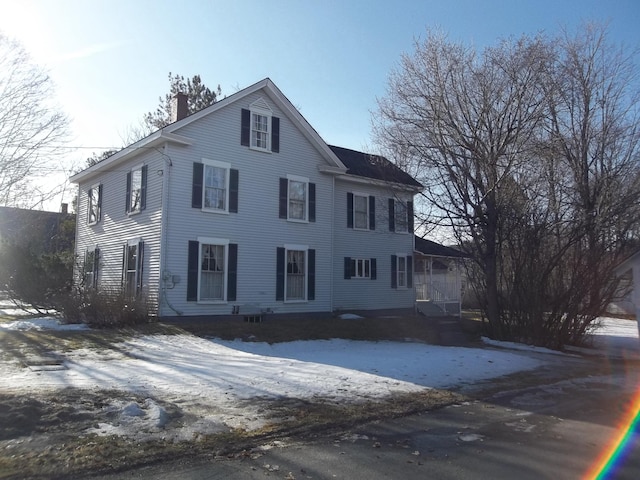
<point x="164" y="235"/>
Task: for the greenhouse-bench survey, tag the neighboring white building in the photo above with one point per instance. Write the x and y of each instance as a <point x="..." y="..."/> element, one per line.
<point x="243" y="208"/>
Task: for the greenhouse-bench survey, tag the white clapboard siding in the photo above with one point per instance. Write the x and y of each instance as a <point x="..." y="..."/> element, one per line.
<point x="360" y="293"/>
<point x="256" y="228"/>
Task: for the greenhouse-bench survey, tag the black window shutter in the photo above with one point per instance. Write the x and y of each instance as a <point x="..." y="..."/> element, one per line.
<point x="196" y="186"/>
<point x="374" y="269"/>
<point x="311" y="274"/>
<point x="96" y="267"/>
<point x="245" y="130"/>
<point x="312" y="202"/>
<point x="192" y="271"/>
<point x="139" y="267"/>
<point x="275" y="134"/>
<point x="232" y="273"/>
<point x="124" y="264"/>
<point x="99" y="216"/>
<point x="127" y="196"/>
<point x="280" y="273"/>
<point x="284" y="197"/>
<point x="372" y="212"/>
<point x="143" y="188"/>
<point x="347" y="268"/>
<point x="349" y="210"/>
<point x="392" y="216"/>
<point x="410" y="217"/>
<point x="89" y="195"/>
<point x="394" y="271"/>
<point x="409" y="271"/>
<point x="233" y="190"/>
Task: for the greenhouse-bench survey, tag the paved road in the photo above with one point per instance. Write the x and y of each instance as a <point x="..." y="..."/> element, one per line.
<point x="550" y="431"/>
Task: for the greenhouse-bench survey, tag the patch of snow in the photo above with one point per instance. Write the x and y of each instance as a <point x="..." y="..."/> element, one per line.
<point x="220" y="385"/>
<point x="520" y="346"/>
<point x="42" y="323"/>
<point x="350" y="316"/>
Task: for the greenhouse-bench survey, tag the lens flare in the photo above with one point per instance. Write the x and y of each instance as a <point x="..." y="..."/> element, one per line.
<point x="614" y="454"/>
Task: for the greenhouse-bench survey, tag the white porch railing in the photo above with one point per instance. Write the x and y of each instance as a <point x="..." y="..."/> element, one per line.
<point x="439" y="291"/>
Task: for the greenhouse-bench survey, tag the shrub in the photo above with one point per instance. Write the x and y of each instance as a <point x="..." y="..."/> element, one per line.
<point x="109" y="308"/>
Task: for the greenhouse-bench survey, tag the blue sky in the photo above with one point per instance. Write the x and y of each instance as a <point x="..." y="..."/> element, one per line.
<point x="110" y="59"/>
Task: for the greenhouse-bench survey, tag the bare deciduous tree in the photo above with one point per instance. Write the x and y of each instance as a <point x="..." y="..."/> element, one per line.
<point x="31" y="129"/>
<point x="530" y="152"/>
<point x="464" y="124"/>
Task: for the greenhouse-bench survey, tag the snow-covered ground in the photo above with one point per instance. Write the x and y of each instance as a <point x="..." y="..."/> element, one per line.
<point x="224" y="382"/>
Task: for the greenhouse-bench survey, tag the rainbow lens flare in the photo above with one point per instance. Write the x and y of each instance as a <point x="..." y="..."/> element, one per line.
<point x="613" y="456"/>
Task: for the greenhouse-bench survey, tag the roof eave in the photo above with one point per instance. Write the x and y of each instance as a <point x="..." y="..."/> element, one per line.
<point x="157" y="138"/>
<point x="382" y="183"/>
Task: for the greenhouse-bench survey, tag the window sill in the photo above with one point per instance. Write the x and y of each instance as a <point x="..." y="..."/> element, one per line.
<point x="295" y="220"/>
<point x="296" y="301"/>
<point x="93" y="224"/>
<point x="214" y="210"/>
<point x="362" y="229"/>
<point x="212" y="302"/>
<point x="134" y="213"/>
<point x="258" y="149"/>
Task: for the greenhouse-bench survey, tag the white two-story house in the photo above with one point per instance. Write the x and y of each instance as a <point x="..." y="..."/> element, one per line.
<point x="242" y="207"/>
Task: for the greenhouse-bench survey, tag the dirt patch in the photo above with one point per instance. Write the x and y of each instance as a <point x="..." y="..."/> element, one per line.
<point x="392" y="328"/>
<point x="54" y="436"/>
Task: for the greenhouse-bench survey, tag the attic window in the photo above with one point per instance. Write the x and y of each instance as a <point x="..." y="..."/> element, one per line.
<point x="260" y="129"/>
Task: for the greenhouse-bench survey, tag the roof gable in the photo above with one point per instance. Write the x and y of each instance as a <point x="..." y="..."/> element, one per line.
<point x="168" y="133"/>
<point x="427" y="247"/>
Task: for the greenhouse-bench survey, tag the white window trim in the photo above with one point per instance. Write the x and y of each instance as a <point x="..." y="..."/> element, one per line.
<point x="260" y="107"/>
<point x="405" y="273"/>
<point x="213" y="241"/>
<point x="92" y="188"/>
<point x="136" y="242"/>
<point x="293" y="247"/>
<point x="138" y="210"/>
<point x="304" y="180"/>
<point x="94" y="274"/>
<point x="366" y="196"/>
<point x="217" y="164"/>
<point x="356" y="276"/>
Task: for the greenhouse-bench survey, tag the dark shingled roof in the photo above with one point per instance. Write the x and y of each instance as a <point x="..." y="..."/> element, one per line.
<point x="373" y="166"/>
<point x="427" y="247"/>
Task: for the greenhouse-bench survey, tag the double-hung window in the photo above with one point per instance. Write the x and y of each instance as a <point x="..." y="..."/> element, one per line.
<point x="94" y="204"/>
<point x="91" y="264"/>
<point x="215" y="187"/>
<point x="400" y="216"/>
<point x="361" y="211"/>
<point x="260" y="130"/>
<point x="132" y="267"/>
<point x="136" y="189"/>
<point x="295" y="276"/>
<point x="401" y="271"/>
<point x="212" y="270"/>
<point x="297" y="199"/>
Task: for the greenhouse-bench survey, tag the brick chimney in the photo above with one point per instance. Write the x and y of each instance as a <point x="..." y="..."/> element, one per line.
<point x="64" y="208"/>
<point x="179" y="107"/>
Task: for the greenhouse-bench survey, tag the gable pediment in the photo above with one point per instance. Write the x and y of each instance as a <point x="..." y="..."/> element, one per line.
<point x="261" y="104"/>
